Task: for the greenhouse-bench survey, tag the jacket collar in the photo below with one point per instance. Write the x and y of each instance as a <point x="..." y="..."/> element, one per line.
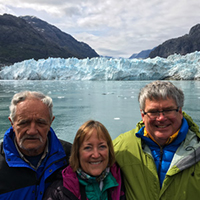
<point x="55" y="149"/>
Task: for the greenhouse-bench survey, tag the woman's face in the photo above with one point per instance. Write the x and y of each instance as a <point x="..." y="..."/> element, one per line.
<point x="93" y="154"/>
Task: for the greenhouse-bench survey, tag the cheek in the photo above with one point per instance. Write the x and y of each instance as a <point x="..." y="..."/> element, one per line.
<point x="176" y="122"/>
<point x="44" y="136"/>
<point x="85" y="156"/>
<point x="18" y="137"/>
<point x="18" y="132"/>
<point x="43" y="132"/>
<point x="83" y="160"/>
<point x="147" y="121"/>
<point x="82" y="156"/>
<point x="106" y="155"/>
<point x="16" y="129"/>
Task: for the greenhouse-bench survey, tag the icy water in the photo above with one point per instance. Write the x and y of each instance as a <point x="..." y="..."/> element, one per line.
<point x="114" y="103"/>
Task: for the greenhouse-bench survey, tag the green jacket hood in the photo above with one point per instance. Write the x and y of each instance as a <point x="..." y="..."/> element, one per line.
<point x="192" y="126"/>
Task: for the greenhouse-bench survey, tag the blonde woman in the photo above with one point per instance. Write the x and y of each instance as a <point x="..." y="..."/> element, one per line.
<point x="92" y="173"/>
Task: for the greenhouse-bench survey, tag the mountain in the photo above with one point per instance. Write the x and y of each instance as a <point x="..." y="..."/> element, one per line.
<point x="143" y="54"/>
<point x="27" y="37"/>
<point x="182" y="45"/>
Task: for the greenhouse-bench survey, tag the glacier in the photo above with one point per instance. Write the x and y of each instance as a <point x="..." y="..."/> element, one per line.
<point x="174" y="67"/>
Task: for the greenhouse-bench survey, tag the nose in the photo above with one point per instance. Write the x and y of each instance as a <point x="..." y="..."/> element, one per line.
<point x="95" y="153"/>
<point x="161" y="116"/>
<point x="32" y="129"/>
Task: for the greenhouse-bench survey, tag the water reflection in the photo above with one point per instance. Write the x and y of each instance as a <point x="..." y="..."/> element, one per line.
<point x="114" y="103"/>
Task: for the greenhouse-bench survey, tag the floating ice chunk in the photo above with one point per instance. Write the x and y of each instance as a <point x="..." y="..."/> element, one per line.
<point x="116" y="118"/>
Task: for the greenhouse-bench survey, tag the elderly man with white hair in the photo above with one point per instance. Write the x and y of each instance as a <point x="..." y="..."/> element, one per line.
<point x="31" y="155"/>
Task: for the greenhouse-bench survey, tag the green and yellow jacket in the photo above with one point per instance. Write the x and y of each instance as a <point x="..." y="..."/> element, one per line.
<point x="182" y="180"/>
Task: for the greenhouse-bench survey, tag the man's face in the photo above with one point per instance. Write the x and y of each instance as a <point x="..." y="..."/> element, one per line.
<point x="162" y="127"/>
<point x="31" y="126"/>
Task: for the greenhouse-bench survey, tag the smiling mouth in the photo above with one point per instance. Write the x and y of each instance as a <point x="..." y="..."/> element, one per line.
<point x="164" y="126"/>
<point x="95" y="163"/>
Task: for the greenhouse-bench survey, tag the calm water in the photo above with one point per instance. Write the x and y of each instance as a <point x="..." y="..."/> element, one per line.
<point x="113" y="103"/>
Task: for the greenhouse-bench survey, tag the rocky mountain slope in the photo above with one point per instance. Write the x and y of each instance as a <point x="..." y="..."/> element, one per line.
<point x="141" y="55"/>
<point x="27" y="37"/>
<point x="182" y="45"/>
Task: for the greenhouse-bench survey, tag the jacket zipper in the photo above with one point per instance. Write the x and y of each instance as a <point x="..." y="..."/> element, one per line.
<point x="160" y="161"/>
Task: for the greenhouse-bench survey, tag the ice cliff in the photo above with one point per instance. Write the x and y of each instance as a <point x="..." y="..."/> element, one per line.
<point x="174" y="67"/>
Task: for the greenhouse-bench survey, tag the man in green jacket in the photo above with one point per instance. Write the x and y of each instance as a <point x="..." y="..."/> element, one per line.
<point x="160" y="157"/>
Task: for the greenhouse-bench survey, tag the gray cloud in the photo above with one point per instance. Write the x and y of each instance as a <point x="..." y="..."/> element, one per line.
<point x="113" y="28"/>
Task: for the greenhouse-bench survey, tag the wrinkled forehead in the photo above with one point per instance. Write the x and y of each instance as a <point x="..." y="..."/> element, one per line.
<point x="32" y="106"/>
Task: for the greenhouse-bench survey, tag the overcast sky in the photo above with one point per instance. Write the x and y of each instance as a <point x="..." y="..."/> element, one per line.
<point x="115" y="28"/>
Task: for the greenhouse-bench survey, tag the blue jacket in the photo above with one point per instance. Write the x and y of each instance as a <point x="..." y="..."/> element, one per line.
<point x="20" y="181"/>
<point x="163" y="155"/>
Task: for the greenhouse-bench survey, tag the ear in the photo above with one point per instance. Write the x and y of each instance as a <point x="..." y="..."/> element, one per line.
<point x="142" y="114"/>
<point x="52" y="119"/>
<point x="10" y="121"/>
<point x="12" y="124"/>
<point x="180" y="112"/>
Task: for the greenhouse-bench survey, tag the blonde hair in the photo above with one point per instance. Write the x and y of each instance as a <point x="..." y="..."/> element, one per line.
<point x="84" y="130"/>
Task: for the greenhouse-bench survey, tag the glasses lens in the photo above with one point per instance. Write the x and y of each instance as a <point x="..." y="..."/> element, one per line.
<point x="153" y="114"/>
<point x="169" y="113"/>
<point x="166" y="113"/>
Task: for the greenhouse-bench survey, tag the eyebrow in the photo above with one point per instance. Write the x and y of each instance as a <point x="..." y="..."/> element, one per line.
<point x="28" y="120"/>
<point x="165" y="108"/>
<point x="41" y="120"/>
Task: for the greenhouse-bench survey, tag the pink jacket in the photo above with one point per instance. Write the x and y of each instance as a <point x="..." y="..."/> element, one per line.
<point x="71" y="182"/>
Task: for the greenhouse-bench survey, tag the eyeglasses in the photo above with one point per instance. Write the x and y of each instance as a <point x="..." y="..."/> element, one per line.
<point x="155" y="114"/>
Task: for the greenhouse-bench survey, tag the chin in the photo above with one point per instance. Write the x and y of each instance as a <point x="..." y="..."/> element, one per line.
<point x="33" y="151"/>
<point x="95" y="173"/>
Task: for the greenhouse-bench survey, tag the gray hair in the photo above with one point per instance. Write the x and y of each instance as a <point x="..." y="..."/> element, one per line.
<point x="160" y="90"/>
<point x="22" y="96"/>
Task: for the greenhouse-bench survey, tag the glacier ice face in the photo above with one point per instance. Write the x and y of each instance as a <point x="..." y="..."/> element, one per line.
<point x="174" y="67"/>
